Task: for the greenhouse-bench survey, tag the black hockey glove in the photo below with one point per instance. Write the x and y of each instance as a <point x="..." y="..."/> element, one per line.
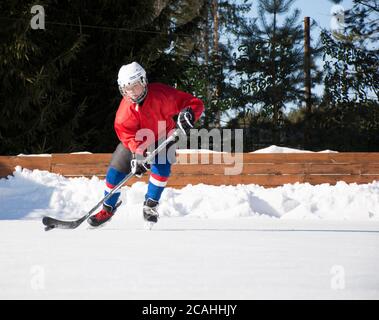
<point x="186" y="120"/>
<point x="139" y="167"/>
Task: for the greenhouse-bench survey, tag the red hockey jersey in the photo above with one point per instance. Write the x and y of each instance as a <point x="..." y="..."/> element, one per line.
<point x="160" y="105"/>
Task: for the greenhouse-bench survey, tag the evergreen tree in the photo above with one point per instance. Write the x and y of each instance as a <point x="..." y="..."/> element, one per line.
<point x="351" y="78"/>
<point x="352" y="57"/>
<point x="36" y="110"/>
<point x="215" y="55"/>
<point x="59" y="91"/>
<point x="271" y="61"/>
<point x="361" y="21"/>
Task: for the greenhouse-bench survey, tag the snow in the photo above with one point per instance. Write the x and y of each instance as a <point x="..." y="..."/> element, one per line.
<point x="296" y="241"/>
<point x="179" y="151"/>
<point x="49" y="155"/>
<point x="31" y="194"/>
<point x="81" y="152"/>
<point x="34" y="155"/>
<point x="270" y="149"/>
<point x="276" y="149"/>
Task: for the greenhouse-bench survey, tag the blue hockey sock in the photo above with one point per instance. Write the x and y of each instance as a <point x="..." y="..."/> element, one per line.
<point x="158" y="180"/>
<point x="112" y="179"/>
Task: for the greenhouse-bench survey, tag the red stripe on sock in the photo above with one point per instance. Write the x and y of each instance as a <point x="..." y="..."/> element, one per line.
<point x="109" y="185"/>
<point x="158" y="177"/>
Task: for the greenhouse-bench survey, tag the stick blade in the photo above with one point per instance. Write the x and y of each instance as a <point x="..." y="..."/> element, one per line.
<point x="52" y="223"/>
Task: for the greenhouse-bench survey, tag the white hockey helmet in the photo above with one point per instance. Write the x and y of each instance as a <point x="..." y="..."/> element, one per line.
<point x="130" y="74"/>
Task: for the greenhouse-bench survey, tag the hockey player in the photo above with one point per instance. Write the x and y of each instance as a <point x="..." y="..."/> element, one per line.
<point x="143" y="106"/>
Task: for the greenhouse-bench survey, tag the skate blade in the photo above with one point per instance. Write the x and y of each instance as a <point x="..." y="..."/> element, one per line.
<point x="149" y="225"/>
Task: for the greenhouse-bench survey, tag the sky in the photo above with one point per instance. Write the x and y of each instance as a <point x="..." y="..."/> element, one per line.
<point x="319" y="10"/>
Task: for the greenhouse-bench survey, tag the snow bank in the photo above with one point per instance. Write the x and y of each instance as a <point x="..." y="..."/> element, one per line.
<point x="30" y="194"/>
<point x="34" y="155"/>
<point x="270" y="149"/>
<point x="276" y="149"/>
<point x="197" y="151"/>
<point x="48" y="154"/>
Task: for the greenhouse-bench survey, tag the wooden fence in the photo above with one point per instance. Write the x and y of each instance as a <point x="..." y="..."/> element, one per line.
<point x="268" y="170"/>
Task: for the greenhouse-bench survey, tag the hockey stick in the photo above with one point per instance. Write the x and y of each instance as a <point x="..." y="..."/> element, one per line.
<point x="52" y="223"/>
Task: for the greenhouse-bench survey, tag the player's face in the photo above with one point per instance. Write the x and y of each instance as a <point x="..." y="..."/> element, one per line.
<point x="135" y="90"/>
